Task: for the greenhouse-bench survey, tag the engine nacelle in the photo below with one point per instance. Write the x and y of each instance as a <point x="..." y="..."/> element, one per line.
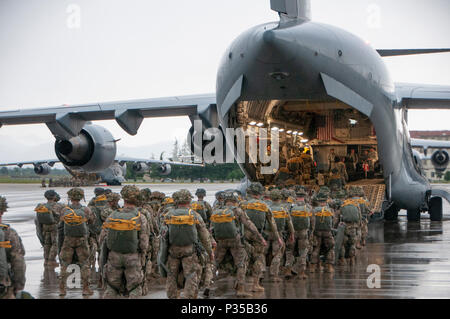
<point x="92" y="151"/>
<point x="165" y="169"/>
<point x="140" y="167"/>
<point x="42" y="169"/>
<point x="440" y="160"/>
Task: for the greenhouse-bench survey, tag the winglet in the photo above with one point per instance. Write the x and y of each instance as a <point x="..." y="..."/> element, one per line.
<point x="292" y="9"/>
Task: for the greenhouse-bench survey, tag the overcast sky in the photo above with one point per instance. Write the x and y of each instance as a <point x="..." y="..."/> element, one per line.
<point x="133" y="49"/>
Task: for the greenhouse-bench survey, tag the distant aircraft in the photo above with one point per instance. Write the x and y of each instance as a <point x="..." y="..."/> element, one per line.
<point x="99" y="157"/>
<point x="294" y="75"/>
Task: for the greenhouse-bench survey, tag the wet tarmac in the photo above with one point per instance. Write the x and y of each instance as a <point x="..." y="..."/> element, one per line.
<point x="413" y="257"/>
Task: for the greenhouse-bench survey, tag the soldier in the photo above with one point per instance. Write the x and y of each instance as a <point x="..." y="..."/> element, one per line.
<point x="323" y="236"/>
<point x="181" y="231"/>
<point x="284" y="225"/>
<point x="218" y="203"/>
<point x="47" y="218"/>
<point x="349" y="215"/>
<point x="335" y="181"/>
<point x="74" y="230"/>
<point x="125" y="236"/>
<point x="96" y="205"/>
<point x="202" y="207"/>
<point x="266" y="197"/>
<point x="261" y="215"/>
<point x="12" y="261"/>
<point x="227" y="224"/>
<point x="301" y="213"/>
<point x="357" y="193"/>
<point x="156" y="201"/>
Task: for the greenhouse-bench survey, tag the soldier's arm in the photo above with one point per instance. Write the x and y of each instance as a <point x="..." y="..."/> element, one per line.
<point x="208" y="210"/>
<point x="290" y="226"/>
<point x="272" y="224"/>
<point x="204" y="234"/>
<point x="89" y="215"/>
<point x="18" y="266"/>
<point x="143" y="235"/>
<point x="103" y="233"/>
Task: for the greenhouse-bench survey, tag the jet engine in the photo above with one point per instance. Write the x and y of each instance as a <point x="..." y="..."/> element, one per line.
<point x="42" y="169"/>
<point x="165" y="169"/>
<point x="92" y="151"/>
<point x="440" y="160"/>
<point x="140" y="167"/>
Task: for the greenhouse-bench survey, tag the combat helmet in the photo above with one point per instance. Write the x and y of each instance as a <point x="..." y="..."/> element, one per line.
<point x="321" y="197"/>
<point x="130" y="194"/>
<point x="276" y="194"/>
<point x="324" y="190"/>
<point x="341" y="194"/>
<point x="75" y="193"/>
<point x="285" y="193"/>
<point x="113" y="197"/>
<point x="200" y="191"/>
<point x="182" y="196"/>
<point x="157" y="195"/>
<point x="3" y="204"/>
<point x="255" y="188"/>
<point x="300" y="191"/>
<point x="50" y="194"/>
<point x="99" y="191"/>
<point x="146" y="194"/>
<point x="219" y="195"/>
<point x="230" y="196"/>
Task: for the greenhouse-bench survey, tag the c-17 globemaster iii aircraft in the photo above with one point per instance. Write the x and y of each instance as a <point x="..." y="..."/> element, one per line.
<point x="294" y="75"/>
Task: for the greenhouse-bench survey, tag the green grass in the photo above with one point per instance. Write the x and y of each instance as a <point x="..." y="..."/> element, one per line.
<point x="9" y="180"/>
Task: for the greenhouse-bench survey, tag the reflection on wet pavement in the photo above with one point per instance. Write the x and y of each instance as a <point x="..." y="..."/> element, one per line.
<point x="414" y="258"/>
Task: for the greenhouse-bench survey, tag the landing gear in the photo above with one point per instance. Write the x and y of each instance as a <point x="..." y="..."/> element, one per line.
<point x="391" y="213"/>
<point x="413" y="215"/>
<point x="435" y="209"/>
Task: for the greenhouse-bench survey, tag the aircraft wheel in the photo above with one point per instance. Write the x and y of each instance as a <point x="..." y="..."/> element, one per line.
<point x="435" y="210"/>
<point x="413" y="215"/>
<point x="391" y="213"/>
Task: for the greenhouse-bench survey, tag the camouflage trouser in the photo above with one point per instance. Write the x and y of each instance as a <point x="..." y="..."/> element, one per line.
<point x="50" y="234"/>
<point x="323" y="239"/>
<point x="94" y="249"/>
<point x="147" y="266"/>
<point x="206" y="275"/>
<point x="302" y="243"/>
<point x="70" y="246"/>
<point x="123" y="271"/>
<point x="364" y="229"/>
<point x="155" y="250"/>
<point x="185" y="257"/>
<point x="8" y="293"/>
<point x="348" y="248"/>
<point x="277" y="254"/>
<point x="237" y="250"/>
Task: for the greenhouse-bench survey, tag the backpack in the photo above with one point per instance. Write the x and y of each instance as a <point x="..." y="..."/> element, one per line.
<point x="182" y="229"/>
<point x="44" y="214"/>
<point x="224" y="223"/>
<point x="123" y="228"/>
<point x="74" y="221"/>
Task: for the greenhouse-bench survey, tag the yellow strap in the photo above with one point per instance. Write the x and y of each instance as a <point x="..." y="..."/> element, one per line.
<point x="100" y="198"/>
<point x="73" y="219"/>
<point x="5" y="244"/>
<point x="279" y="214"/>
<point x="290" y="200"/>
<point x="324" y="213"/>
<point x="123" y="224"/>
<point x="197" y="206"/>
<point x="300" y="213"/>
<point x="261" y="207"/>
<point x="42" y="209"/>
<point x="4" y="226"/>
<point x="222" y="218"/>
<point x="362" y="201"/>
<point x="182" y="220"/>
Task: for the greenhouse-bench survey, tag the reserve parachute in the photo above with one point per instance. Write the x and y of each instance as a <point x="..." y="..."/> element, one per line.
<point x="123" y="231"/>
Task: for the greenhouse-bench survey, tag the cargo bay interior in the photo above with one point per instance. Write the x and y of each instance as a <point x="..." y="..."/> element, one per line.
<point x="327" y="135"/>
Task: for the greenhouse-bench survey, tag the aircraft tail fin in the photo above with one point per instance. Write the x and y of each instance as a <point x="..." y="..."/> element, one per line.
<point x="399" y="52"/>
<point x="292" y="9"/>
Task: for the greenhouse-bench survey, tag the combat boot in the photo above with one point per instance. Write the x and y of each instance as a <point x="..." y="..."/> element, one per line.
<point x="62" y="289"/>
<point x="302" y="273"/>
<point x="341" y="261"/>
<point x="329" y="268"/>
<point x="363" y="242"/>
<point x="275" y="278"/>
<point x="86" y="290"/>
<point x="287" y="272"/>
<point x="256" y="286"/>
<point x="352" y="261"/>
<point x="313" y="268"/>
<point x="241" y="293"/>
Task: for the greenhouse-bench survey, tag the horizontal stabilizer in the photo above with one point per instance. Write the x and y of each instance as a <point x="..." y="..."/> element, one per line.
<point x="399" y="52"/>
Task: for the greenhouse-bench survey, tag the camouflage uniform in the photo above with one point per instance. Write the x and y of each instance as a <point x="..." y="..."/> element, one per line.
<point x="227" y="225"/>
<point x="218" y="203"/>
<point x="350" y="215"/>
<point x="280" y="212"/>
<point x="357" y="194"/>
<point x="261" y="215"/>
<point x="182" y="228"/>
<point x="156" y="201"/>
<point x="12" y="255"/>
<point x="303" y="225"/>
<point x="126" y="247"/>
<point x="323" y="236"/>
<point x="75" y="245"/>
<point x="47" y="217"/>
<point x="97" y="205"/>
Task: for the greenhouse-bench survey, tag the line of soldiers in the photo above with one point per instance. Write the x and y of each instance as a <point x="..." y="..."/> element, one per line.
<point x="190" y="243"/>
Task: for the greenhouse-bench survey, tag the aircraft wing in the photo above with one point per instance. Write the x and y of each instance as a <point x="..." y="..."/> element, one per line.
<point x="50" y="162"/>
<point x="69" y="120"/>
<point x="153" y="161"/>
<point x="425" y="144"/>
<point x="423" y="96"/>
